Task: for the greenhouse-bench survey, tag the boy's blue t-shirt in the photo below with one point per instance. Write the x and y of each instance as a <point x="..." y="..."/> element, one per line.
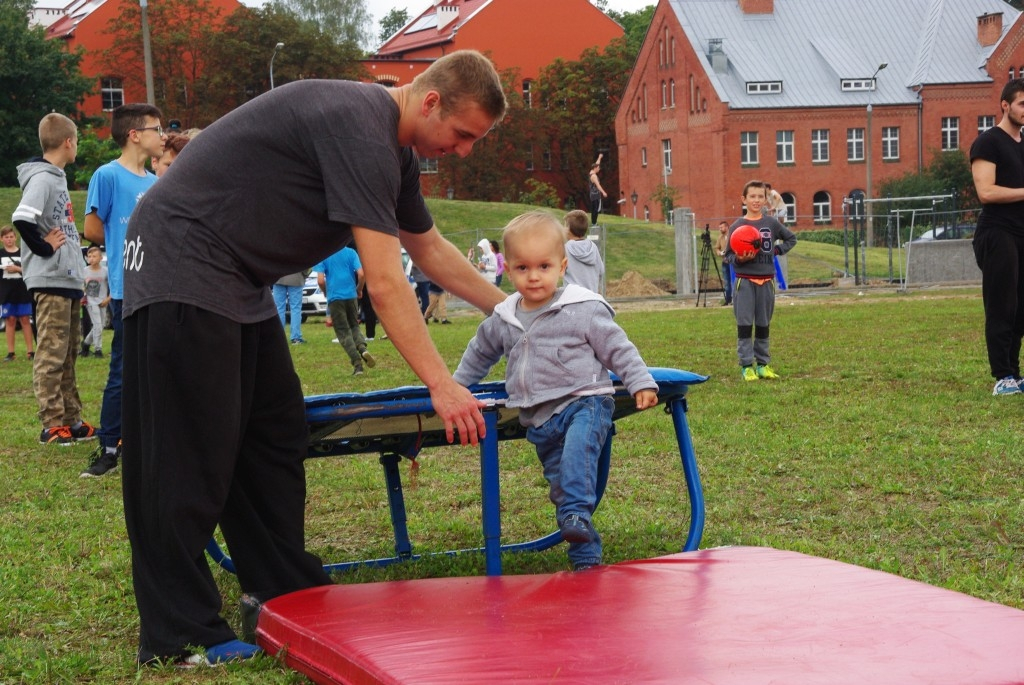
<point x="113" y="194"/>
<point x="339" y="272"/>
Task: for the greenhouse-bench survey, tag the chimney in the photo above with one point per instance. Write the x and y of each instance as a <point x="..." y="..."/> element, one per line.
<point x="990" y="28"/>
<point x="757" y="6"/>
<point x="719" y="60"/>
<point x="446" y="14"/>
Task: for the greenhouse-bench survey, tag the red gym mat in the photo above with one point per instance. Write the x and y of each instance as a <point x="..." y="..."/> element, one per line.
<point x="744" y="615"/>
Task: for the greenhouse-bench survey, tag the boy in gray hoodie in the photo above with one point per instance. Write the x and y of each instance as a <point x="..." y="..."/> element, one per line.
<point x="54" y="273"/>
<point x="585" y="266"/>
<point x="560" y="344"/>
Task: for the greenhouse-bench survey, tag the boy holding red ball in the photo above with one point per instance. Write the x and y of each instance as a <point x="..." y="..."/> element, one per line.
<point x="753" y="243"/>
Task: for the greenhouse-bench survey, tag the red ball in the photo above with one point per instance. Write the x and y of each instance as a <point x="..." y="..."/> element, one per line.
<point x="745" y="239"/>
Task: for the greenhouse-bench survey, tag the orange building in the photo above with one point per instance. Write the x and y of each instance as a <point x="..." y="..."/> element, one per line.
<point x="523" y="34"/>
<point x="84" y="25"/>
<point x="824" y="100"/>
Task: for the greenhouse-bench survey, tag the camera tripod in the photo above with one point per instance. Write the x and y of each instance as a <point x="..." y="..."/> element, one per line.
<point x="707" y="263"/>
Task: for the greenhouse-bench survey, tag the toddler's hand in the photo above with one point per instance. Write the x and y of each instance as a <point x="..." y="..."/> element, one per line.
<point x="645" y="399"/>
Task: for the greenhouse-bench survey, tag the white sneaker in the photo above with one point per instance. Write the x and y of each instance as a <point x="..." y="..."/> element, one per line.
<point x="1006" y="386"/>
<point x="335" y="340"/>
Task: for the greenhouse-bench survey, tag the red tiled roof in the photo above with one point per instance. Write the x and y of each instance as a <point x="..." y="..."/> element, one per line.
<point x="422" y="32"/>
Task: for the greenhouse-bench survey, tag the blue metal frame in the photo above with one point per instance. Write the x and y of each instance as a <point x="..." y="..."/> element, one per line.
<point x="332" y="417"/>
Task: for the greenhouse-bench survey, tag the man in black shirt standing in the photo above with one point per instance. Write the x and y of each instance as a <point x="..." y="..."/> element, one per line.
<point x="997" y="164"/>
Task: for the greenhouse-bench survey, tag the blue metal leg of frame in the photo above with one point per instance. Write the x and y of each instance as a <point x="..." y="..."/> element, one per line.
<point x="396" y="502"/>
<point x="490" y="489"/>
<point x="677" y="408"/>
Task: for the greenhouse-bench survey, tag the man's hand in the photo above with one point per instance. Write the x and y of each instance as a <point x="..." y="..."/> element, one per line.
<point x="645" y="399"/>
<point x="55" y="238"/>
<point x="460" y="411"/>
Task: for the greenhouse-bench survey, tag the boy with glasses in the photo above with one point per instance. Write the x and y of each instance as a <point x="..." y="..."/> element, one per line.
<point x="114" y="190"/>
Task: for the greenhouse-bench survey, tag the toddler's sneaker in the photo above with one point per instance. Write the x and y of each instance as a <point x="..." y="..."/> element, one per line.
<point x="1006" y="386"/>
<point x="747" y="373"/>
<point x="576" y="529"/>
<point x="57" y="435"/>
<point x="82" y="432"/>
<point x="765" y="371"/>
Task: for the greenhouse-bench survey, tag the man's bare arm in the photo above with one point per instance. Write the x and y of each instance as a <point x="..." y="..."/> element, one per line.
<point x="984" y="173"/>
<point x="399" y="312"/>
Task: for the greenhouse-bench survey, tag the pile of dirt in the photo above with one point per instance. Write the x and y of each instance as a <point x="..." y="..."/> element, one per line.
<point x="632" y="284"/>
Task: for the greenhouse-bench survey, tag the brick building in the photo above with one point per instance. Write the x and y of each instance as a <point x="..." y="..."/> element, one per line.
<point x="822" y="98"/>
<point x="83" y="24"/>
<point x="522" y="34"/>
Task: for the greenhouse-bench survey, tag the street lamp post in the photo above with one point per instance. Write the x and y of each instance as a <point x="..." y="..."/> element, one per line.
<point x="634" y="197"/>
<point x="147" y="52"/>
<point x="277" y="48"/>
<point x="867" y="150"/>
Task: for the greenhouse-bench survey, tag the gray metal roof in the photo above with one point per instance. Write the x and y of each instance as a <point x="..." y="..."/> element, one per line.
<point x="812" y="45"/>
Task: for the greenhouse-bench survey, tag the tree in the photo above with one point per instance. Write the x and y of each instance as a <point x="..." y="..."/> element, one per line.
<point x="37" y="76"/>
<point x="239" y="68"/>
<point x="342" y="21"/>
<point x="392" y="22"/>
<point x="635" y="25"/>
<point x="948" y="172"/>
<point x="578" y="101"/>
<point x="490" y="172"/>
<point x="182" y="43"/>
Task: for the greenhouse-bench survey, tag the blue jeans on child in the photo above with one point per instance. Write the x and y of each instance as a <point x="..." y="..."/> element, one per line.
<point x="569" y="445"/>
<point x="289" y="296"/>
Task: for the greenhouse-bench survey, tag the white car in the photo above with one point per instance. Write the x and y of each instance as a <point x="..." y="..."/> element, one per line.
<point x="314" y="302"/>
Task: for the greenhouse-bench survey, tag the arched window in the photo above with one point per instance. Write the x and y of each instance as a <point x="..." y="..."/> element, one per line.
<point x="822" y="207"/>
<point x="664" y="95"/>
<point x="672" y="93"/>
<point x="527" y="96"/>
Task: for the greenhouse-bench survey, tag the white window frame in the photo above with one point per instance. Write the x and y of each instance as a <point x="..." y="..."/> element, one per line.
<point x="111" y="92"/>
<point x="820" y="145"/>
<point x="890" y="143"/>
<point x="666" y="155"/>
<point x="764" y="87"/>
<point x="854" y="145"/>
<point x="748" y="148"/>
<point x="784" y="147"/>
<point x="950" y="133"/>
<point x="822" y="209"/>
<point x="985" y="122"/>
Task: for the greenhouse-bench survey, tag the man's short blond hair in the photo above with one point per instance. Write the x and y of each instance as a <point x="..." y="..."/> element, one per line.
<point x="464" y="76"/>
<point x="536" y="224"/>
<point x="54" y="129"/>
<point x="577" y="222"/>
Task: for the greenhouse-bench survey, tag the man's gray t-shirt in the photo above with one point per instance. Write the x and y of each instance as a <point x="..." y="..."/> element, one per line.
<point x="270" y="189"/>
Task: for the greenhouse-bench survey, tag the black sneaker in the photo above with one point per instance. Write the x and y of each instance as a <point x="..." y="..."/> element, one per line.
<point x="57" y="435"/>
<point x="83" y="432"/>
<point x="9" y="357"/>
<point x="576" y="529"/>
<point x="101" y="462"/>
<point x="98" y="353"/>
<point x="83" y="353"/>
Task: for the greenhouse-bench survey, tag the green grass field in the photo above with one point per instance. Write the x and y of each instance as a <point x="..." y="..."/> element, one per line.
<point x="881" y="446"/>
